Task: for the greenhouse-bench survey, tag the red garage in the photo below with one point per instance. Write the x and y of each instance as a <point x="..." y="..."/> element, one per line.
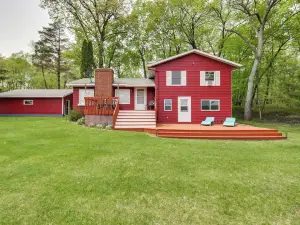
<point x="36" y="102"/>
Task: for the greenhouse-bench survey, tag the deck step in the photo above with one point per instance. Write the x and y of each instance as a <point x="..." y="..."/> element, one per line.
<point x="224" y="134"/>
<point x="135" y="127"/>
<point x="228" y="137"/>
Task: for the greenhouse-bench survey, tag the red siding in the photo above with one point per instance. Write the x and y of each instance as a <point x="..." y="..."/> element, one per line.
<point x="76" y="107"/>
<point x="40" y="106"/>
<point x="193" y="64"/>
<point x="150" y="94"/>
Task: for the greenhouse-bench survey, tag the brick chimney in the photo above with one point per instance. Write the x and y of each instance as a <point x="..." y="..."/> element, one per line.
<point x="103" y="82"/>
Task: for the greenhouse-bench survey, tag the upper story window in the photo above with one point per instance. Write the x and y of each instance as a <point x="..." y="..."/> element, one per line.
<point x="28" y="102"/>
<point x="176" y="78"/>
<point x="209" y="78"/>
<point x="85" y="93"/>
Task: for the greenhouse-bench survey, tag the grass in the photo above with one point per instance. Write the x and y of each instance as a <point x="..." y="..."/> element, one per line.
<point x="56" y="172"/>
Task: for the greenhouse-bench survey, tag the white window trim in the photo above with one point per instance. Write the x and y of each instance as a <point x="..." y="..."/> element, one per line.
<point x="210" y="100"/>
<point x="117" y="95"/>
<point x="165" y="105"/>
<point x="27" y="100"/>
<point x="80" y="90"/>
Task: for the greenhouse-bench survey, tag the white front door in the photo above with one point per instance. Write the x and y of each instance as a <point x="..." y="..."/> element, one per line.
<point x="184" y="109"/>
<point x="140" y="99"/>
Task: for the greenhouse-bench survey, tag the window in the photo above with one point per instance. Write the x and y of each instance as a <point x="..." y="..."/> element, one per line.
<point x="210" y="105"/>
<point x="168" y="104"/>
<point x="28" y="102"/>
<point x="176" y="78"/>
<point x="184" y="105"/>
<point x="85" y="93"/>
<point x="124" y="95"/>
<point x="209" y="76"/>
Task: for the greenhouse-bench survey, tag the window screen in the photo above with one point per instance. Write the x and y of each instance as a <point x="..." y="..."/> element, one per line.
<point x="176" y="77"/>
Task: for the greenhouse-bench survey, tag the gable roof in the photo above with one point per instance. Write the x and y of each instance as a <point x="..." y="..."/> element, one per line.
<point x="234" y="64"/>
<point x="36" y="93"/>
<point x="124" y="82"/>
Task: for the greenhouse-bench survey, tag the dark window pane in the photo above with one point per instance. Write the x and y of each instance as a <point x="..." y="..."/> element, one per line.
<point x="209" y="76"/>
<point x="168" y="108"/>
<point x="205" y="105"/>
<point x="184" y="108"/>
<point x="214" y="105"/>
<point x="176" y="78"/>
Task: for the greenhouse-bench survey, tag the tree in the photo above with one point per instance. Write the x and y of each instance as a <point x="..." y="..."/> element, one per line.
<point x="87" y="59"/>
<point x="96" y="18"/>
<point x="50" y="48"/>
<point x="258" y="14"/>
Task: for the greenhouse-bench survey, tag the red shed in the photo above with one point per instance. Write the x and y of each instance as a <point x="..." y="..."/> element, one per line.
<point x="36" y="102"/>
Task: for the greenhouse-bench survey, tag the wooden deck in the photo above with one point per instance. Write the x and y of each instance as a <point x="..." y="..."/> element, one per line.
<point x="195" y="131"/>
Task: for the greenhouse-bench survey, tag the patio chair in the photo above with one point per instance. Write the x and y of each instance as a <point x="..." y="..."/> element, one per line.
<point x="229" y="122"/>
<point x="208" y="121"/>
<point x="151" y="104"/>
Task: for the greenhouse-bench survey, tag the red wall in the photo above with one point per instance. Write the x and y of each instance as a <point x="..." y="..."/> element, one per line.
<point x="76" y="99"/>
<point x="193" y="64"/>
<point x="40" y="106"/>
<point x="150" y="96"/>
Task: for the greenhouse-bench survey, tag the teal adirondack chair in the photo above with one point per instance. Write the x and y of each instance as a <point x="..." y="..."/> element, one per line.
<point x="229" y="122"/>
<point x="208" y="121"/>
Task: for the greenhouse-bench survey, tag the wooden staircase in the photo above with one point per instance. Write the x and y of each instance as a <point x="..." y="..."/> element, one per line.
<point x="135" y="120"/>
<point x="267" y="134"/>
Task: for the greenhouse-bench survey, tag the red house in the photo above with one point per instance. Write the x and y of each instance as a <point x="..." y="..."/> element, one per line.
<point x="184" y="88"/>
<point x="36" y="102"/>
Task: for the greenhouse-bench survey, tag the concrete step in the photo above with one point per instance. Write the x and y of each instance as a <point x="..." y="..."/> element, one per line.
<point x="136" y="123"/>
<point x="135" y="119"/>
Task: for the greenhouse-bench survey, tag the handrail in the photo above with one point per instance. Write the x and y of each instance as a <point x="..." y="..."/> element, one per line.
<point x="100" y="105"/>
<point x="116" y="112"/>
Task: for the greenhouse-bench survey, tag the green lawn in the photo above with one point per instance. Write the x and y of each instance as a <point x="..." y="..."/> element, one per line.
<point x="56" y="172"/>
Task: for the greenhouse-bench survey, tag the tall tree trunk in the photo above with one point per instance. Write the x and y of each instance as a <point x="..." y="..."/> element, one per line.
<point x="258" y="54"/>
<point x="43" y="73"/>
<point x="58" y="60"/>
<point x="143" y="62"/>
<point x="248" y="103"/>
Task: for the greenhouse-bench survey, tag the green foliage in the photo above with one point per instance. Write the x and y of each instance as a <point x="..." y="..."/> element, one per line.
<point x="74" y="115"/>
<point x="87" y="59"/>
<point x="81" y="121"/>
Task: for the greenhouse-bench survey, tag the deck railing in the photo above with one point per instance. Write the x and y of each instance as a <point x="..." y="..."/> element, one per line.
<point x="116" y="112"/>
<point x="101" y="105"/>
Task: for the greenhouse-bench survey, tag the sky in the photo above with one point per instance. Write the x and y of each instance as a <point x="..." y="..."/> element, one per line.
<point x="20" y="21"/>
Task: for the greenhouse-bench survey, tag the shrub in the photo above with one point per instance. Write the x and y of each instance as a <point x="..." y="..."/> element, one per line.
<point x="108" y="127"/>
<point x="101" y="126"/>
<point x="92" y="125"/>
<point x="74" y="115"/>
<point x="81" y="121"/>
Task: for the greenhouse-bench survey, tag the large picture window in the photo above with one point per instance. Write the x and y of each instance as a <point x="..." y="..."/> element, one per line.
<point x="124" y="95"/>
<point x="85" y="93"/>
<point x="210" y="105"/>
<point x="168" y="104"/>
